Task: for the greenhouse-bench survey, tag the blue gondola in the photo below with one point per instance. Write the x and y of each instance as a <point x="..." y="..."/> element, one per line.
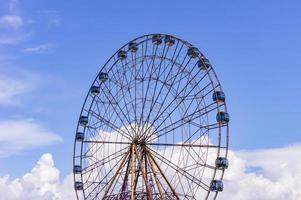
<point x="83" y="120"/>
<point x="95" y="90"/>
<point x="157" y="39"/>
<point x="80" y="136"/>
<point x="78" y="185"/>
<point x="103" y="76"/>
<point x="169" y="40"/>
<point x="133" y="47"/>
<point x="221" y="163"/>
<point x="193" y="52"/>
<point x="216" y="186"/>
<point x="122" y="55"/>
<point x="223" y="117"/>
<point x="203" y="66"/>
<point x="77" y="169"/>
<point x="219" y="96"/>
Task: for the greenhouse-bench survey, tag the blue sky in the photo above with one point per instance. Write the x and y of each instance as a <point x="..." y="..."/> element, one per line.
<point x="55" y="49"/>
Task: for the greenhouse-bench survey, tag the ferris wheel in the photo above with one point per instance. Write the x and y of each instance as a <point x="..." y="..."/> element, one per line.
<point x="154" y="125"/>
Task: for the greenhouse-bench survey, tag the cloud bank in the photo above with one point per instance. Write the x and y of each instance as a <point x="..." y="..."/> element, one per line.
<point x="41" y="183"/>
<point x="19" y="135"/>
<point x="14" y="83"/>
<point x="272" y="174"/>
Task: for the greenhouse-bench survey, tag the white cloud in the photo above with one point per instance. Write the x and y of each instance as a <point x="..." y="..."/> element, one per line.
<point x="42" y="183"/>
<point x="271" y="174"/>
<point x="11" y="21"/>
<point x="268" y="174"/>
<point x="13" y="29"/>
<point x="19" y="135"/>
<point x="15" y="83"/>
<point x="39" y="49"/>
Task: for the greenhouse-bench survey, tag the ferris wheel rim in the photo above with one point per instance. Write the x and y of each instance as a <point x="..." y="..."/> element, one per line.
<point x="214" y="76"/>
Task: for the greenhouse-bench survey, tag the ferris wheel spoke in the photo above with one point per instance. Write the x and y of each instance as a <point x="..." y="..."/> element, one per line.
<point x="181" y="122"/>
<point x="111" y="125"/>
<point x="98" y="128"/>
<point x="175" y="98"/>
<point x="142" y="82"/>
<point x="99" y="166"/>
<point x="147" y="88"/>
<point x="180" y="170"/>
<point x="152" y="159"/>
<point x="118" y="176"/>
<point x="124" y="75"/>
<point x="105" y="160"/>
<point x="187" y="118"/>
<point x="107" y="142"/>
<point x="144" y="177"/>
<point x="103" y="178"/>
<point x="124" y="193"/>
<point x="156" y="83"/>
<point x="159" y="113"/>
<point x="197" y="162"/>
<point x="110" y="183"/>
<point x="184" y="169"/>
<point x="158" y="183"/>
<point x="117" y="105"/>
<point x="171" y="67"/>
<point x="173" y="59"/>
<point x="183" y="145"/>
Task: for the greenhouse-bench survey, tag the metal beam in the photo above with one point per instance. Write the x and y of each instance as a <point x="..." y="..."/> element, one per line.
<point x="115" y="175"/>
<point x="163" y="175"/>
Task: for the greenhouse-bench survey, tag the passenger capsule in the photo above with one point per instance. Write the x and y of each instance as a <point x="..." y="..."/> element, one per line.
<point x="83" y="120"/>
<point x="221" y="163"/>
<point x="94" y="90"/>
<point x="77" y="169"/>
<point x="157" y="39"/>
<point x="203" y="66"/>
<point x="78" y="185"/>
<point x="223" y="117"/>
<point x="169" y="40"/>
<point x="80" y="136"/>
<point x="207" y="62"/>
<point x="103" y="76"/>
<point x="193" y="52"/>
<point x="122" y="55"/>
<point x="219" y="96"/>
<point x="133" y="47"/>
<point x="216" y="186"/>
